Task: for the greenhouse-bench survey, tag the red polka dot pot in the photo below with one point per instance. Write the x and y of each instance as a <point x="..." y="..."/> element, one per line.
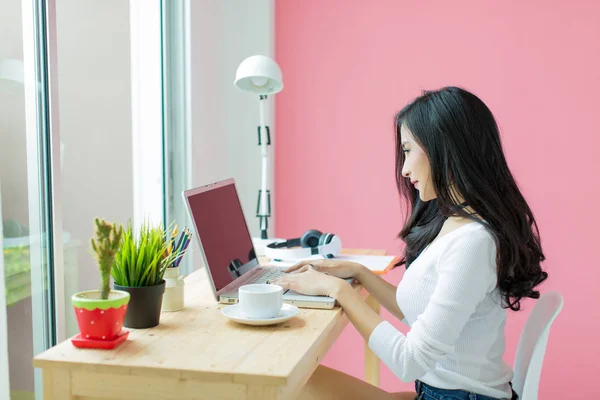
<point x="100" y="319"/>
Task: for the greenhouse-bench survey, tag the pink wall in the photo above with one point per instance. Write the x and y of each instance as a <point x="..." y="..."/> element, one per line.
<point x="349" y="66"/>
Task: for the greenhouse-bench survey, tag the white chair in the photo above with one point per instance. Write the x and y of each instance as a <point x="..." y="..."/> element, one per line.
<point x="532" y="345"/>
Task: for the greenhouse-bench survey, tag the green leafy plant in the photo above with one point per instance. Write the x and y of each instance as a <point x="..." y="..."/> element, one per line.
<point x="105" y="246"/>
<point x="143" y="259"/>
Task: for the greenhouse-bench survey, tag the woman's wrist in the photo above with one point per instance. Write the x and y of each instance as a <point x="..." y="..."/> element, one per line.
<point x="341" y="289"/>
<point x="360" y="271"/>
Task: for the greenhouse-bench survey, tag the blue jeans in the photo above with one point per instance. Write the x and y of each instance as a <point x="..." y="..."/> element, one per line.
<point x="426" y="392"/>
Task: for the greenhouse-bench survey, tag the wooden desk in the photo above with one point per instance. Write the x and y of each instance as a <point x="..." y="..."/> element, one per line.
<point x="197" y="353"/>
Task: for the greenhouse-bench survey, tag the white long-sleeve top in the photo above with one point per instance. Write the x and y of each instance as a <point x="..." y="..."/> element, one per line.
<point x="449" y="299"/>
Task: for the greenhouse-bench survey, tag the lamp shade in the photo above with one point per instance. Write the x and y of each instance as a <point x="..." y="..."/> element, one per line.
<point x="259" y="74"/>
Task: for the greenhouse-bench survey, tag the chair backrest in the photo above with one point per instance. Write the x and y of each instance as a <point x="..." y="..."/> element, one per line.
<point x="532" y="345"/>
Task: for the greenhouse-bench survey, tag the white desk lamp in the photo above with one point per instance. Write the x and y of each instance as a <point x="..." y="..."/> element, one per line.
<point x="262" y="76"/>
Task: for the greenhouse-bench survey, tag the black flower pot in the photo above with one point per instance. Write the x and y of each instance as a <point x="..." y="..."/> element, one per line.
<point x="143" y="310"/>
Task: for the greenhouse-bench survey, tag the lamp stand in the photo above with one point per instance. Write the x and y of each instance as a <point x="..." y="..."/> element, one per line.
<point x="263" y="207"/>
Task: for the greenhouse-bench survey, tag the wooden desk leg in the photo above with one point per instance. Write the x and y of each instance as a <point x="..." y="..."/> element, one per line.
<point x="371" y="360"/>
<point x="57" y="384"/>
<point x="261" y="392"/>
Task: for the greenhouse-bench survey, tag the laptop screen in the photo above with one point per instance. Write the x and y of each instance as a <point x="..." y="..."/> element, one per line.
<point x="222" y="229"/>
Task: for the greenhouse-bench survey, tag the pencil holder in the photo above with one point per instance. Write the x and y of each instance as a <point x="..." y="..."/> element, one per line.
<point x="174" y="290"/>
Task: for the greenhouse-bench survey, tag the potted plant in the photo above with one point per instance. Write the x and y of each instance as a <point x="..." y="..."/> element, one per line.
<point x="100" y="313"/>
<point x="139" y="269"/>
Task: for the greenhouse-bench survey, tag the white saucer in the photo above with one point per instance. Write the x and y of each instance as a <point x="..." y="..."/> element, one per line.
<point x="233" y="312"/>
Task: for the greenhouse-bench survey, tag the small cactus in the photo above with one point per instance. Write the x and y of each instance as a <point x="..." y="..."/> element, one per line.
<point x="105" y="245"/>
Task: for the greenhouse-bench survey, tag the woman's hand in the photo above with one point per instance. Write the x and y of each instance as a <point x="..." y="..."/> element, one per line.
<point x="311" y="282"/>
<point x="340" y="269"/>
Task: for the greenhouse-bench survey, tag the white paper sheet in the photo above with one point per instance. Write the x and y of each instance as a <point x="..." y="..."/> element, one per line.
<point x="374" y="263"/>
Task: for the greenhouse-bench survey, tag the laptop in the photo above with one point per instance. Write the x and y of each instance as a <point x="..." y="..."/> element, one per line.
<point x="227" y="249"/>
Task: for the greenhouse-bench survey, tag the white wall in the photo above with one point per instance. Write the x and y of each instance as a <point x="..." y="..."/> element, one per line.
<point x="224" y="119"/>
<point x="95" y="120"/>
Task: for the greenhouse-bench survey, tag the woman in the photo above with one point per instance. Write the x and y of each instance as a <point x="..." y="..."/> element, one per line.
<point x="472" y="252"/>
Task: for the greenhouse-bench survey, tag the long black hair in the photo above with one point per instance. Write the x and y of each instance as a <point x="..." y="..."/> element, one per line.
<point x="461" y="139"/>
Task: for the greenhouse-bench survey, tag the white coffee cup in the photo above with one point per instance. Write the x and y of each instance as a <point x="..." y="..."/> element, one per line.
<point x="260" y="301"/>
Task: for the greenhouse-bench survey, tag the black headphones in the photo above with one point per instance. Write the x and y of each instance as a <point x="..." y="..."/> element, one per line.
<point x="311" y="242"/>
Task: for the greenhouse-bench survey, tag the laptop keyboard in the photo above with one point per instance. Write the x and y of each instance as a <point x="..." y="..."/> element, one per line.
<point x="274" y="273"/>
<point x="269" y="276"/>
